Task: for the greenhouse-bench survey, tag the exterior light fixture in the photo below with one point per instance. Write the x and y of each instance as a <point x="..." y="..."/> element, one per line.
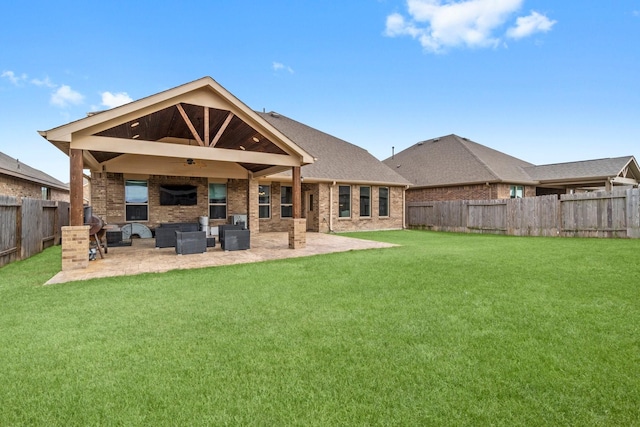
<point x="136" y="136"/>
<point x="255" y="139"/>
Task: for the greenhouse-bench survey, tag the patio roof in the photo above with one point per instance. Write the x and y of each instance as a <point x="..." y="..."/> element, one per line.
<point x="196" y="129"/>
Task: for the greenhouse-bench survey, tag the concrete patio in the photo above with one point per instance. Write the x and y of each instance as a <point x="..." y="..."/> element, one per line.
<point x="143" y="257"/>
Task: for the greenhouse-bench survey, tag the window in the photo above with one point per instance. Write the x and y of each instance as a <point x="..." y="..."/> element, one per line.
<point x="344" y="201"/>
<point x="517" y="192"/>
<point x="217" y="201"/>
<point x="264" y="201"/>
<point x="46" y="193"/>
<point x="286" y="201"/>
<point x="365" y="201"/>
<point x="136" y="200"/>
<point x="383" y="201"/>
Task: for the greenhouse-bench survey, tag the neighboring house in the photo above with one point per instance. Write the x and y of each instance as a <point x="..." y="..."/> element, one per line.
<point x="196" y="150"/>
<point x="20" y="180"/>
<point x="455" y="168"/>
<point x="345" y="189"/>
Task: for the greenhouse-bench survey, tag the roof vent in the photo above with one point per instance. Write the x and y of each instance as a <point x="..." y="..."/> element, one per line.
<point x="436" y="139"/>
<point x="420" y="143"/>
<point x="274" y="114"/>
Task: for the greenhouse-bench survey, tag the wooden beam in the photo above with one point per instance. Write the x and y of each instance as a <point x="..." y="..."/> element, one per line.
<point x="206" y="124"/>
<point x="221" y="130"/>
<point x="190" y="125"/>
<point x="75" y="187"/>
<point x="297" y="193"/>
<point x="166" y="149"/>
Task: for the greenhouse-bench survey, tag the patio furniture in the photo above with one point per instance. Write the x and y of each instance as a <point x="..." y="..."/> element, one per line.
<point x="190" y="242"/>
<point x="236" y="239"/>
<point x="166" y="233"/>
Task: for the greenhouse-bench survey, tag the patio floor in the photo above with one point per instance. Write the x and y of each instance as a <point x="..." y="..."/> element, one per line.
<point x="143" y="257"/>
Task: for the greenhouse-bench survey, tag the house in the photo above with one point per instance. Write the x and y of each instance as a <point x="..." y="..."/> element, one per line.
<point x="455" y="168"/>
<point x="345" y="189"/>
<point x="196" y="150"/>
<point x="20" y="180"/>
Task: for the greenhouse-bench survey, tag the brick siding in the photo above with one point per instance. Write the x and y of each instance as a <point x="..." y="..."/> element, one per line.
<point x="465" y="192"/>
<point x="16" y="187"/>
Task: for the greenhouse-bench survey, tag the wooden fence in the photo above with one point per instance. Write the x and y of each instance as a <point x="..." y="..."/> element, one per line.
<point x="599" y="214"/>
<point x="28" y="226"/>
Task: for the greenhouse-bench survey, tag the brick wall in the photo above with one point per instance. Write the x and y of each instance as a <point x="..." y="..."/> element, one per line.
<point x="374" y="222"/>
<point x="465" y="192"/>
<point x="16" y="187"/>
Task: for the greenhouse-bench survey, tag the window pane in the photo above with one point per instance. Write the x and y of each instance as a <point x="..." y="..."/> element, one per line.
<point x="217" y="193"/>
<point x="264" y="194"/>
<point x="136" y="213"/>
<point x="264" y="211"/>
<point x="365" y="201"/>
<point x="136" y="192"/>
<point x="344" y="201"/>
<point x="286" y="211"/>
<point x="286" y="195"/>
<point x="383" y="201"/>
<point x="217" y="211"/>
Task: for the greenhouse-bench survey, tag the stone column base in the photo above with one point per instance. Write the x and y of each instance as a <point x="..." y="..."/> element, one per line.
<point x="75" y="247"/>
<point x="298" y="233"/>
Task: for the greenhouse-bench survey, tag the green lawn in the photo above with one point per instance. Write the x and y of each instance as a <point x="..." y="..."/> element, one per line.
<point x="447" y="329"/>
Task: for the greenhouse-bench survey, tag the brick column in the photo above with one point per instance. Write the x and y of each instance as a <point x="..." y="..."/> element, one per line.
<point x="75" y="247"/>
<point x="253" y="215"/>
<point x="298" y="233"/>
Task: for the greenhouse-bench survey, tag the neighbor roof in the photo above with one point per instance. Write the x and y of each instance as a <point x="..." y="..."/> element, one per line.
<point x="453" y="160"/>
<point x="15" y="168"/>
<point x="335" y="159"/>
<point x="587" y="169"/>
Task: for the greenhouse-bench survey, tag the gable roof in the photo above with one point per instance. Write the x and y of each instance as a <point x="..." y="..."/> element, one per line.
<point x="453" y="160"/>
<point x="15" y="168"/>
<point x="335" y="159"/>
<point x="197" y="120"/>
<point x="585" y="170"/>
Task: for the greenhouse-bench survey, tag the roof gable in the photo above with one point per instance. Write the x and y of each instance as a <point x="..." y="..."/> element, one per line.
<point x="451" y="160"/>
<point x="335" y="159"/>
<point x="197" y="120"/>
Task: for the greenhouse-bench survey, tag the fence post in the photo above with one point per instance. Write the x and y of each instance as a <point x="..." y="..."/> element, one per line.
<point x="19" y="230"/>
<point x="633" y="212"/>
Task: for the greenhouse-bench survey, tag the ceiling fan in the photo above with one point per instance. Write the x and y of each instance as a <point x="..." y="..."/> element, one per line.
<point x="194" y="162"/>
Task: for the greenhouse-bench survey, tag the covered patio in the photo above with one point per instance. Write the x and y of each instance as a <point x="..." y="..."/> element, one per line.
<point x="143" y="257"/>
<point x="196" y="136"/>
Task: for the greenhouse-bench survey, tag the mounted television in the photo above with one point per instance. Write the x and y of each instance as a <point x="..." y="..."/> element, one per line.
<point x="178" y="195"/>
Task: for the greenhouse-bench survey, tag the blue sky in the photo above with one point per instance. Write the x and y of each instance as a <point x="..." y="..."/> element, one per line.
<point x="544" y="81"/>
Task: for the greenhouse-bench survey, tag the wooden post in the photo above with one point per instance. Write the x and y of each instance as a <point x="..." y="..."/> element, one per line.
<point x="75" y="187"/>
<point x="297" y="193"/>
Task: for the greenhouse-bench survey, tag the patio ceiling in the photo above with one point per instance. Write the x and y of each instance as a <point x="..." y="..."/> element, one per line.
<point x="188" y="124"/>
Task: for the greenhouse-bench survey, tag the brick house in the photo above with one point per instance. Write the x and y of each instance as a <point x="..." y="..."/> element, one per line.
<point x="20" y="180"/>
<point x="455" y="168"/>
<point x="196" y="150"/>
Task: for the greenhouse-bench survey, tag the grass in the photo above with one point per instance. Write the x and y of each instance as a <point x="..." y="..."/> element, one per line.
<point x="446" y="329"/>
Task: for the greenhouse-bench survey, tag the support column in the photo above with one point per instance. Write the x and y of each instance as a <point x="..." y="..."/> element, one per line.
<point x="253" y="214"/>
<point x="298" y="227"/>
<point x="75" y="187"/>
<point x="75" y="237"/>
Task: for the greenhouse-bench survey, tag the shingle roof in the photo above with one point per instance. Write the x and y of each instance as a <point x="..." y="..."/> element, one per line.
<point x="17" y="169"/>
<point x="336" y="159"/>
<point x="598" y="168"/>
<point x="455" y="160"/>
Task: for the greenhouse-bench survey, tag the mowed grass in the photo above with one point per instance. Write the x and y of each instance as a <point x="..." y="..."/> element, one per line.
<point x="446" y="329"/>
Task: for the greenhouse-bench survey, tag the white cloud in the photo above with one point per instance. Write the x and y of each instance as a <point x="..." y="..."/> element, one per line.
<point x="13" y="78"/>
<point x="528" y="25"/>
<point x="65" y="96"/>
<point x="45" y="82"/>
<point x="112" y="100"/>
<point x="277" y="66"/>
<point x="439" y="25"/>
